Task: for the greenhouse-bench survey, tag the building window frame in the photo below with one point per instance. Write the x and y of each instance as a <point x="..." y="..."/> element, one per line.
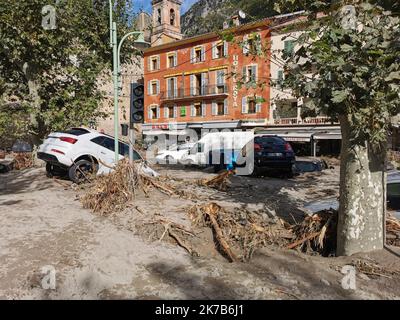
<point x="220" y="49"/>
<point x="153" y="112"/>
<point x="246" y="104"/>
<point x="251" y="76"/>
<point x="174" y="56"/>
<point x="198" y="54"/>
<point x="151" y="84"/>
<point x="154" y="63"/>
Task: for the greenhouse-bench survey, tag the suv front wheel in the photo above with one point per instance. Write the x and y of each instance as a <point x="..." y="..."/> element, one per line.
<point x="82" y="171"/>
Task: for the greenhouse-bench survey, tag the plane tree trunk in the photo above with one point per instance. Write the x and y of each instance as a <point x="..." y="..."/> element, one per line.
<point x="362" y="194"/>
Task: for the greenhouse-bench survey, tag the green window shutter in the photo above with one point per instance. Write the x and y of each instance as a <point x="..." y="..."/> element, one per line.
<point x="280" y="75"/>
<point x="183" y="112"/>
<point x="289" y="46"/>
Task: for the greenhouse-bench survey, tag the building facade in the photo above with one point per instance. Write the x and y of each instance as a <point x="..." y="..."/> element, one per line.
<point x="308" y="134"/>
<point x="204" y="82"/>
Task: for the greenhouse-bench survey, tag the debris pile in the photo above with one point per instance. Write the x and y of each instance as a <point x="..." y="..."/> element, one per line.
<point x="316" y="233"/>
<point x="115" y="191"/>
<point x="22" y="160"/>
<point x="220" y="182"/>
<point x="373" y="270"/>
<point x="392" y="231"/>
<point x="237" y="233"/>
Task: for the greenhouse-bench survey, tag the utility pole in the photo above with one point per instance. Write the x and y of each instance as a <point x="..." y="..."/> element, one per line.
<point x="140" y="44"/>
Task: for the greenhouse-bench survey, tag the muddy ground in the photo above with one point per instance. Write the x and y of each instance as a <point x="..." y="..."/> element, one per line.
<point x="120" y="256"/>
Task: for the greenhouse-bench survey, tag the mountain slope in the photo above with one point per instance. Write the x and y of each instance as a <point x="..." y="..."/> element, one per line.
<point x="209" y="15"/>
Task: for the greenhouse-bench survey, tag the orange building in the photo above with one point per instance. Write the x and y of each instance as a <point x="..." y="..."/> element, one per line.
<point x="206" y="83"/>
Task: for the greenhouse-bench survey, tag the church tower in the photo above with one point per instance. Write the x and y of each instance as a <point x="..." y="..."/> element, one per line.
<point x="166" y="21"/>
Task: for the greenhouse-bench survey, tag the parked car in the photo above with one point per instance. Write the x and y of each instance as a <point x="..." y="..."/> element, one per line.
<point x="305" y="164"/>
<point x="173" y="154"/>
<point x="392" y="197"/>
<point x="218" y="149"/>
<point x="271" y="154"/>
<point x="79" y="150"/>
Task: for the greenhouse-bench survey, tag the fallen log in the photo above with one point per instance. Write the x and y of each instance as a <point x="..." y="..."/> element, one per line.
<point x="219" y="235"/>
<point x="301" y="241"/>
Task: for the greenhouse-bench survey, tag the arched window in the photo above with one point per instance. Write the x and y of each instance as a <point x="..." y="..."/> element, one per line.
<point x="159" y="16"/>
<point x="172" y="17"/>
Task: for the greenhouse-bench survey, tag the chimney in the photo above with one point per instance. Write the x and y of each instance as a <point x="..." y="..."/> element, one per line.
<point x="236" y="20"/>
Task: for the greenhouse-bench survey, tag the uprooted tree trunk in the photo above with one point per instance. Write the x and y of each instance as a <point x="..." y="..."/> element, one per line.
<point x="362" y="196"/>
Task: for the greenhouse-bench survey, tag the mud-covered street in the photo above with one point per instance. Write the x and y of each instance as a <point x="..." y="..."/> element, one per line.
<point x="43" y="224"/>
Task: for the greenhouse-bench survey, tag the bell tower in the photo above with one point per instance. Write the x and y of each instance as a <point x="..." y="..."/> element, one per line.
<point x="166" y="21"/>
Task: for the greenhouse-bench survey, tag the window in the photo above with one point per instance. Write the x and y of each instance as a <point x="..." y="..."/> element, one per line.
<point x="172" y="17"/>
<point x="196" y="81"/>
<point x="220" y="50"/>
<point x="153" y="87"/>
<point x="98" y="140"/>
<point x="159" y="19"/>
<point x="220" y="75"/>
<point x="172" y="60"/>
<point x="197" y="54"/>
<point x="289" y="47"/>
<point x="250" y="73"/>
<point x="154" y="112"/>
<point x="172" y="87"/>
<point x="220" y="108"/>
<point x="197" y="109"/>
<point x="170" y="112"/>
<point x="154" y="63"/>
<point x="252" y="44"/>
<point x="252" y="106"/>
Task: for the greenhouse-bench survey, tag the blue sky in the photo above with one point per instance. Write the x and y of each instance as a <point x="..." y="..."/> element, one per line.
<point x="146" y="5"/>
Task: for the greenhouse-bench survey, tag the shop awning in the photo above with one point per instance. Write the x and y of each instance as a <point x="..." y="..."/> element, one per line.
<point x="328" y="136"/>
<point x="292" y="136"/>
<point x="169" y="132"/>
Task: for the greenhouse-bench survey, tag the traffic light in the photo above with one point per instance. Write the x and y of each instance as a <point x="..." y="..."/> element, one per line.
<point x="137" y="103"/>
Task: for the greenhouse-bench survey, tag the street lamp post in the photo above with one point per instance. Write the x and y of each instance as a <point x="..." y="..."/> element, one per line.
<point x="140" y="43"/>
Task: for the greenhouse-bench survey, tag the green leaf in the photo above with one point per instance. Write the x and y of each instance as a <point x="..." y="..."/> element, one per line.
<point x="338" y="96"/>
<point x="393" y="76"/>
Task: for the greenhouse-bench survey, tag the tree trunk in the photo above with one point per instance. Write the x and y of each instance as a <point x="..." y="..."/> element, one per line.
<point x="34" y="86"/>
<point x="362" y="196"/>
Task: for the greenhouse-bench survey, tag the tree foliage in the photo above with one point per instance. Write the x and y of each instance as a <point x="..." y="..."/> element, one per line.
<point x="53" y="74"/>
<point x="352" y="71"/>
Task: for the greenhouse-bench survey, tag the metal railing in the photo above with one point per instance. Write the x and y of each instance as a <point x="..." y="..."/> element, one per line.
<point x="199" y="91"/>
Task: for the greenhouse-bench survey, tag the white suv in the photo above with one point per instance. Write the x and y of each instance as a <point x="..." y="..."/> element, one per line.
<point x="80" y="150"/>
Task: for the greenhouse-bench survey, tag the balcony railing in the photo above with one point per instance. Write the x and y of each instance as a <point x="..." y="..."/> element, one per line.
<point x="202" y="91"/>
<point x="305" y="121"/>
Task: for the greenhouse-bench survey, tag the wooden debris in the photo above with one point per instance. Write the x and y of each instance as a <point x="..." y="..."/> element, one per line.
<point x="22" y="160"/>
<point x="220" y="182"/>
<point x="115" y="191"/>
<point x="181" y="243"/>
<point x="211" y="210"/>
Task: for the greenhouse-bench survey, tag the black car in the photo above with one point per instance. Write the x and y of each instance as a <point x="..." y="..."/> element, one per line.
<point x="271" y="154"/>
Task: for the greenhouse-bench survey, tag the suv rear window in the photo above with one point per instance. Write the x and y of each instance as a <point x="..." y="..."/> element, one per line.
<point x="76" y="131"/>
<point x="269" y="140"/>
